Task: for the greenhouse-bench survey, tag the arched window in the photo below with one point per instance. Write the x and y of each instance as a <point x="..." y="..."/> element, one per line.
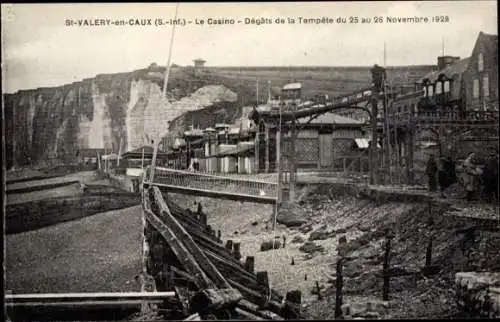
<point x="480" y="62"/>
<point x="475" y="88"/>
<point x="486" y="86"/>
<point x="439" y="87"/>
<point x="446" y="86"/>
<point x="430" y="90"/>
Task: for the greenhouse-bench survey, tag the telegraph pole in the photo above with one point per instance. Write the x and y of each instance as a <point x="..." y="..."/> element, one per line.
<point x="293" y="163"/>
<point x="257" y="86"/>
<point x="387" y="130"/>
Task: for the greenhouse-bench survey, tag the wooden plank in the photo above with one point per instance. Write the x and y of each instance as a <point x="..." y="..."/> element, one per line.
<point x="83" y="304"/>
<point x="180" y="251"/>
<point x="191" y="246"/>
<point x="87" y="296"/>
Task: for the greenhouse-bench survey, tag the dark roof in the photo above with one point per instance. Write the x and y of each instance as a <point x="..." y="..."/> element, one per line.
<point x="147" y="149"/>
<point x="452" y="72"/>
<point x="90" y="153"/>
<point x="235" y="151"/>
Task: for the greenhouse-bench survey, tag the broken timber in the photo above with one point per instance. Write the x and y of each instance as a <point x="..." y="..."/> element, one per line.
<point x="217" y="284"/>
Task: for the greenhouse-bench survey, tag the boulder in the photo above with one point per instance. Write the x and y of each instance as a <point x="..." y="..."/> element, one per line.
<point x="297" y="240"/>
<point x="290" y="216"/>
<point x="305" y="229"/>
<point x="352" y="269"/>
<point x="311" y="247"/>
<point x="319" y="235"/>
<point x="268" y="245"/>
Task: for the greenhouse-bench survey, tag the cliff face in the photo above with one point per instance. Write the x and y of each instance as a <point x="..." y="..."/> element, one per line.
<point x="49" y="124"/>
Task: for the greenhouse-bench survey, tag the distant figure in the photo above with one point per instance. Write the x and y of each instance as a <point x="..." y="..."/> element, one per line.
<point x="446" y="174"/>
<point x="431" y="171"/>
<point x="490" y="178"/>
<point x="471" y="174"/>
<point x="196" y="165"/>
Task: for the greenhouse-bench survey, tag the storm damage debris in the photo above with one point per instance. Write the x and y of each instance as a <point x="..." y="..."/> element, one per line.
<point x="215" y="283"/>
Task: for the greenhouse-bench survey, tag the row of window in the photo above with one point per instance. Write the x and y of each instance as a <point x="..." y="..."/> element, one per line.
<point x="476" y="86"/>
<point x="440" y="87"/>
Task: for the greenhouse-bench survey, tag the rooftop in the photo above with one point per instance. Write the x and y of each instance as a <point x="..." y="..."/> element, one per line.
<point x="292" y="86"/>
<point x="456" y="69"/>
<point x="331" y="118"/>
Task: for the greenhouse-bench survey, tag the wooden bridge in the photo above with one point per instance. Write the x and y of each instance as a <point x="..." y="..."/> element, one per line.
<point x="216" y="186"/>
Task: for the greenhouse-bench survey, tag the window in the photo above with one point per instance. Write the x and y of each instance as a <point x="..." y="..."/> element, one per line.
<point x="475" y="88"/>
<point x="447" y="86"/>
<point x="480" y="62"/>
<point x="439" y="88"/>
<point x="430" y="90"/>
<point x="486" y="86"/>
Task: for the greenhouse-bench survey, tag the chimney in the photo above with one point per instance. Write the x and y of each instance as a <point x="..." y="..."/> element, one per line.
<point x="445" y="61"/>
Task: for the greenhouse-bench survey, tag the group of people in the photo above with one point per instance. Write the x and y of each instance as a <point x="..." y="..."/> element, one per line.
<point x="475" y="177"/>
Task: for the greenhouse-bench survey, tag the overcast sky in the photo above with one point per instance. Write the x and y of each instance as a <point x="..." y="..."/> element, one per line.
<point x="38" y="50"/>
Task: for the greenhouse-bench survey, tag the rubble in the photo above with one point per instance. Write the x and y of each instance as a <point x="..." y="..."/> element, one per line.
<point x="311" y="247"/>
<point x="268" y="245"/>
<point x="479" y="293"/>
<point x="320" y="234"/>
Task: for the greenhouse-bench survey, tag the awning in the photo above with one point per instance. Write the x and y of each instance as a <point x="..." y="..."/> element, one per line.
<point x="235" y="151"/>
<point x="427" y="144"/>
<point x="112" y="156"/>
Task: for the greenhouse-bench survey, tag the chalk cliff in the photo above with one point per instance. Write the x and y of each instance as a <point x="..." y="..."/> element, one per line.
<point x="48" y="124"/>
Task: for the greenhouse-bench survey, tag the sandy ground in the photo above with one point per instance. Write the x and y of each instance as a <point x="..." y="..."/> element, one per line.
<point x="100" y="253"/>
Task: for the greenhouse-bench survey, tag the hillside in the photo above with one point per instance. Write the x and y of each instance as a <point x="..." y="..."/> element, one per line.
<point x="48" y="124"/>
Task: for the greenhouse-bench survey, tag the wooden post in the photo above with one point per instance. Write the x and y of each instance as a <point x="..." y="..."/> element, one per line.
<point x="229" y="245"/>
<point x="429" y="206"/>
<point x="292" y="307"/>
<point x="219" y="234"/>
<point x="428" y="254"/>
<point x="263" y="279"/>
<point x="318" y="289"/>
<point x="250" y="264"/>
<point x="339" y="280"/>
<point x="386" y="276"/>
<point x="203" y="218"/>
<point x="236" y="251"/>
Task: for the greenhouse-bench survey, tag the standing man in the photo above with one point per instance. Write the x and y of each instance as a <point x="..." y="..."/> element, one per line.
<point x="471" y="173"/>
<point x="431" y="171"/>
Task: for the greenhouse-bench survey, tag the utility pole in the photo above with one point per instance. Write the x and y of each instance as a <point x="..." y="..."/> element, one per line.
<point x="387" y="130"/>
<point x="293" y="154"/>
<point x="268" y="91"/>
<point x="257" y="95"/>
<point x="167" y="72"/>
